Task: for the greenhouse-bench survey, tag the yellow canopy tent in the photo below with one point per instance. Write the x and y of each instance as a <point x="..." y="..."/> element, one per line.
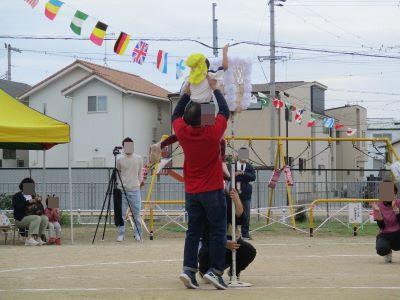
<point x="22" y="127"/>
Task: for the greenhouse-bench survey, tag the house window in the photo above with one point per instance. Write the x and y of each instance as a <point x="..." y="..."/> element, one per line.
<point x="255" y="106"/>
<point x="159" y="112"/>
<point x="9" y="154"/>
<point x="97" y="104"/>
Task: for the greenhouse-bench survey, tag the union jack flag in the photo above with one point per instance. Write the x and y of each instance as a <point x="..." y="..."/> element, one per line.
<point x="140" y="52"/>
<point x="32" y="3"/>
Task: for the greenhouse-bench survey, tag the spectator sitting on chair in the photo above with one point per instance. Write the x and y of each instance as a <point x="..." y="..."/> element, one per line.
<point x="387" y="216"/>
<point x="26" y="206"/>
<point x="244" y="175"/>
<point x="54" y="224"/>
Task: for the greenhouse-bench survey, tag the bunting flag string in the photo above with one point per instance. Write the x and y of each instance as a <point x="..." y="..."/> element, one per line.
<point x="299" y="115"/>
<point x="328" y="122"/>
<point x="264" y="99"/>
<point x="277" y="103"/>
<point x="311" y="122"/>
<point x="51" y="9"/>
<point x="162" y="61"/>
<point x="180" y="68"/>
<point x="99" y="33"/>
<point x="351" y="132"/>
<point x="338" y="126"/>
<point x="77" y="21"/>
<point x="122" y="43"/>
<point x="32" y="3"/>
<point x="140" y="52"/>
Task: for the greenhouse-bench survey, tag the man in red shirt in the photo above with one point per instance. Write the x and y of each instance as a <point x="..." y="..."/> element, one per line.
<point x="204" y="195"/>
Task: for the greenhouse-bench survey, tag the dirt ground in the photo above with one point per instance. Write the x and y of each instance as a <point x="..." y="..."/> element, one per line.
<point x="287" y="266"/>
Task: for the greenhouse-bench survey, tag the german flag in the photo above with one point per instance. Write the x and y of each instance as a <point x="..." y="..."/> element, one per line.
<point x="122" y="43"/>
<point x="99" y="33"/>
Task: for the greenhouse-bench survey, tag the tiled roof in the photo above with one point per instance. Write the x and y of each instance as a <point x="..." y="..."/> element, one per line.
<point x="13" y="88"/>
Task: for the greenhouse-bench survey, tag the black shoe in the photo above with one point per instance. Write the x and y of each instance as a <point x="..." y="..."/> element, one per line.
<point x="189" y="280"/>
<point x="215" y="280"/>
<point x="247" y="237"/>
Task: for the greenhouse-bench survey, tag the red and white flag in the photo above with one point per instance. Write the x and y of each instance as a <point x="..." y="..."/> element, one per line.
<point x="299" y="115"/>
<point x="338" y="126"/>
<point x="351" y="132"/>
<point x="278" y="103"/>
<point x="311" y="123"/>
<point x="32" y="3"/>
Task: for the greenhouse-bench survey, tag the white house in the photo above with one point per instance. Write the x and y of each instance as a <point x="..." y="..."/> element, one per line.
<point x="103" y="106"/>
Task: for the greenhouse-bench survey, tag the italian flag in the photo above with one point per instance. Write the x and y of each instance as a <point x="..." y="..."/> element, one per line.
<point x="77" y="21"/>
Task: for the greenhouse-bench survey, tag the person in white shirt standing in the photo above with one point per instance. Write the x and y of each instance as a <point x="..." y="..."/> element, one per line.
<point x="130" y="166"/>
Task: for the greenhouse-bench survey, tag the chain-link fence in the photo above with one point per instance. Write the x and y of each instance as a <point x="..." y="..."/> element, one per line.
<point x="90" y="186"/>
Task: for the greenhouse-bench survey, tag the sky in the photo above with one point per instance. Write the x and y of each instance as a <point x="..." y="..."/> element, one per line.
<point x="365" y="26"/>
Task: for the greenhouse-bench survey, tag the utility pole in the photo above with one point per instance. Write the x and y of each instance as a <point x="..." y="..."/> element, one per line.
<point x="272" y="61"/>
<point x="9" y="49"/>
<point x="215" y="31"/>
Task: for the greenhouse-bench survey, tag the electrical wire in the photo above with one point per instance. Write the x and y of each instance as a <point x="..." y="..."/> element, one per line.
<point x="250" y="43"/>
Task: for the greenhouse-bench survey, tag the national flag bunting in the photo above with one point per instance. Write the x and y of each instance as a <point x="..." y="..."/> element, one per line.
<point x="338" y="126"/>
<point x="292" y="108"/>
<point x="162" y="61"/>
<point x="278" y="103"/>
<point x="52" y="8"/>
<point x="122" y="43"/>
<point x="32" y="3"/>
<point x="263" y="99"/>
<point x="180" y="67"/>
<point x="328" y="122"/>
<point x="99" y="33"/>
<point x="351" y="132"/>
<point x="77" y="21"/>
<point x="299" y="115"/>
<point x="140" y="52"/>
<point x="311" y="123"/>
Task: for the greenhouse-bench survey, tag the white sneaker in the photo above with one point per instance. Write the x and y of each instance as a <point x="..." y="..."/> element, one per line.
<point x="138" y="239"/>
<point x="31" y="242"/>
<point x="39" y="240"/>
<point x="120" y="238"/>
<point x="388" y="258"/>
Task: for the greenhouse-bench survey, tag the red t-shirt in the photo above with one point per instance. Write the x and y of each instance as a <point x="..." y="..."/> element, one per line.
<point x="202" y="168"/>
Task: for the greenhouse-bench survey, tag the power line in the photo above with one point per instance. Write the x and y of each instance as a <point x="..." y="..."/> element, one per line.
<point x="250" y="43"/>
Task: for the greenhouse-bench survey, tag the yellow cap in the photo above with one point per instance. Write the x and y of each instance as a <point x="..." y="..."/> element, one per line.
<point x="198" y="68"/>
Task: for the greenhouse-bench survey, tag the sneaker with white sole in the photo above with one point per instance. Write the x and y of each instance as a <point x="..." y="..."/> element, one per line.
<point x="120" y="238"/>
<point x="202" y="279"/>
<point x="388" y="258"/>
<point x="40" y="241"/>
<point x="189" y="280"/>
<point x="31" y="242"/>
<point x="215" y="280"/>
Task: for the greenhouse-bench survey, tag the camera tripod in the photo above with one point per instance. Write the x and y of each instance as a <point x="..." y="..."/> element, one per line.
<point x="112" y="185"/>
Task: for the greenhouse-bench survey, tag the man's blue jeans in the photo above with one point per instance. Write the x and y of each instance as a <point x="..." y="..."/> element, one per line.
<point x="135" y="201"/>
<point x="206" y="208"/>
